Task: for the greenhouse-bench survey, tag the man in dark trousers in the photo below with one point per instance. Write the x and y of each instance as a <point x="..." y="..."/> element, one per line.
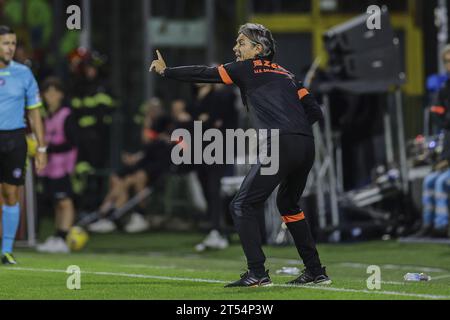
<point x="276" y="101"/>
<point x="215" y="107"/>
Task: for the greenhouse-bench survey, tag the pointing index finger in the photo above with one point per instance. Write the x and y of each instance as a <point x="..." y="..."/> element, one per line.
<point x="159" y="55"/>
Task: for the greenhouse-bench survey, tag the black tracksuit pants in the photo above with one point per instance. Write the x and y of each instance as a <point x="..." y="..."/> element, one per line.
<point x="296" y="157"/>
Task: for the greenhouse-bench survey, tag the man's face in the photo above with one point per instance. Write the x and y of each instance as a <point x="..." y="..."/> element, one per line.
<point x="245" y="49"/>
<point x="53" y="98"/>
<point x="447" y="61"/>
<point x="8" y="44"/>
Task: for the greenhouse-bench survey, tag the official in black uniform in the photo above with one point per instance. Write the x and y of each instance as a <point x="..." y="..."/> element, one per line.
<point x="275" y="100"/>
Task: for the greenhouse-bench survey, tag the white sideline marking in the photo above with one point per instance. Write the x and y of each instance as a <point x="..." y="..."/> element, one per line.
<point x="359" y="281"/>
<point x="120" y="274"/>
<point x="393" y="282"/>
<point x="141" y="266"/>
<point x="415" y="295"/>
<point x="148" y="266"/>
<point x="144" y="276"/>
<point x="440" y="277"/>
<point x="393" y="267"/>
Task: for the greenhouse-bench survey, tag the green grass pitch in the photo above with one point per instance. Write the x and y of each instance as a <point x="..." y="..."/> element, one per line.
<point x="164" y="266"/>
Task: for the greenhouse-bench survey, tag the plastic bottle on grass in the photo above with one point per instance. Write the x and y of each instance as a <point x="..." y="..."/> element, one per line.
<point x="416" y="277"/>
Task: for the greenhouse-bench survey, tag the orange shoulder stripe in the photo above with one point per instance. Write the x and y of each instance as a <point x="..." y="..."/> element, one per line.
<point x="302" y="92"/>
<point x="224" y="75"/>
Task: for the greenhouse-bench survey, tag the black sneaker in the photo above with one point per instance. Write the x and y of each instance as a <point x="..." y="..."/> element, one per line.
<point x="249" y="279"/>
<point x="8" y="258"/>
<point x="308" y="277"/>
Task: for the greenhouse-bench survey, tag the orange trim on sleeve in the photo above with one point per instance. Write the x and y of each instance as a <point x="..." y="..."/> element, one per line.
<point x="437" y="109"/>
<point x="302" y="92"/>
<point x="294" y="218"/>
<point x="224" y="75"/>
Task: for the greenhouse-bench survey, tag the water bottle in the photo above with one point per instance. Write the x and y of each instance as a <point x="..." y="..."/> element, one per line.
<point x="293" y="271"/>
<point x="416" y="277"/>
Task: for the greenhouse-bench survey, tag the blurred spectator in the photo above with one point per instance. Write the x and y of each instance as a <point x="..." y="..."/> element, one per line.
<point x="437" y="94"/>
<point x="22" y="56"/>
<point x="149" y="111"/>
<point x="141" y="169"/>
<point x="435" y="197"/>
<point x="181" y="117"/>
<point x="61" y="136"/>
<point x="436" y="185"/>
<point x="93" y="106"/>
<point x="215" y="107"/>
<point x="32" y="17"/>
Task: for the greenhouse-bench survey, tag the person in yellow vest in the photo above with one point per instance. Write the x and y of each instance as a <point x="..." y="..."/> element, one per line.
<point x="93" y="107"/>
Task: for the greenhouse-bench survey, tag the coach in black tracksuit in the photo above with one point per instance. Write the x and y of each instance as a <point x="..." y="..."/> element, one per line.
<point x="275" y="100"/>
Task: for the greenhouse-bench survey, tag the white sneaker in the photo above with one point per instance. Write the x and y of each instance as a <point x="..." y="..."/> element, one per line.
<point x="137" y="223"/>
<point x="214" y="240"/>
<point x="53" y="245"/>
<point x="102" y="226"/>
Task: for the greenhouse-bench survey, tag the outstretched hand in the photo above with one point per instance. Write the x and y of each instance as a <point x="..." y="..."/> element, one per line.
<point x="159" y="64"/>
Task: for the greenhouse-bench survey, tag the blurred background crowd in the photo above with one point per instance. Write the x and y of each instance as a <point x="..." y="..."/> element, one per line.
<point x="122" y="116"/>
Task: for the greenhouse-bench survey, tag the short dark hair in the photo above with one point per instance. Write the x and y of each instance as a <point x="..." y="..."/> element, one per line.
<point x="52" y="82"/>
<point x="259" y="34"/>
<point x="6" y="30"/>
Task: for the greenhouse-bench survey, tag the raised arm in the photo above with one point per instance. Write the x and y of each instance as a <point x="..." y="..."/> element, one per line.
<point x="202" y="74"/>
